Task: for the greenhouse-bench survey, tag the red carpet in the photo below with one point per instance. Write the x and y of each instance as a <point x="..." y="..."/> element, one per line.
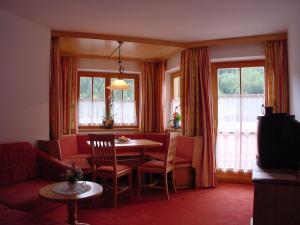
<point x="228" y="204"/>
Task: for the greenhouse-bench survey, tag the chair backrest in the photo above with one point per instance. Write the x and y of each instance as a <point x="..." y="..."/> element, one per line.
<point x="170" y="154"/>
<point x="103" y="149"/>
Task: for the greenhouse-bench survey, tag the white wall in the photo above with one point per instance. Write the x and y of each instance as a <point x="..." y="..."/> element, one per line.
<point x="238" y="52"/>
<point x="294" y="66"/>
<point x="24" y="79"/>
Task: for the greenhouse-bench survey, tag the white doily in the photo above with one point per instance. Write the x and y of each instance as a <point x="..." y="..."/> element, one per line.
<point x="64" y="189"/>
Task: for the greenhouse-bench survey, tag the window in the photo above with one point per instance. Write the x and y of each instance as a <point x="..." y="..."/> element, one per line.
<point x="175" y="92"/>
<point x="240" y="96"/>
<point x="94" y="100"/>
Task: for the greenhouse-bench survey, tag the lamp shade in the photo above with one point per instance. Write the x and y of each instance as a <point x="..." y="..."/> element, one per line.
<point x="118" y="84"/>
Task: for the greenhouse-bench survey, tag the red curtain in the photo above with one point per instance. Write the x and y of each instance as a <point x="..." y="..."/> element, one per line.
<point x="69" y="89"/>
<point x="55" y="94"/>
<point x="276" y="85"/>
<point x="63" y="93"/>
<point x="153" y="95"/>
<point x="197" y="110"/>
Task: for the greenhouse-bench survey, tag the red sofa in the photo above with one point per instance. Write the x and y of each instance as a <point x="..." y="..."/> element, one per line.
<point x="23" y="171"/>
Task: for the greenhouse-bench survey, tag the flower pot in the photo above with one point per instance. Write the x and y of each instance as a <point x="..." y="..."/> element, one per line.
<point x="108" y="123"/>
<point x="176" y="124"/>
<point x="72" y="185"/>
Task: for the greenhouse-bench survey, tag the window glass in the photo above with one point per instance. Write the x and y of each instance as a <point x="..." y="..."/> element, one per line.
<point x="85" y="87"/>
<point x="228" y="81"/>
<point x="129" y="94"/>
<point x="176" y="85"/>
<point x="252" y="80"/>
<point x="99" y="88"/>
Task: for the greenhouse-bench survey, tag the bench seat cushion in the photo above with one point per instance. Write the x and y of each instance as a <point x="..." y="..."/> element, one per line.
<point x="16" y="217"/>
<point x="24" y="196"/>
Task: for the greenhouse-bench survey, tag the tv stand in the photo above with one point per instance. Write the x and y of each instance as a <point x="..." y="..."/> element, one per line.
<point x="276" y="197"/>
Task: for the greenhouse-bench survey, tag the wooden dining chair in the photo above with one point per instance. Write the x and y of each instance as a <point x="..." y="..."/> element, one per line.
<point x="159" y="167"/>
<point x="104" y="164"/>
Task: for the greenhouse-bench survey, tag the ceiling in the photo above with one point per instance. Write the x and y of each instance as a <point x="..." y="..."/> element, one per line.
<point x="96" y="48"/>
<point x="174" y="20"/>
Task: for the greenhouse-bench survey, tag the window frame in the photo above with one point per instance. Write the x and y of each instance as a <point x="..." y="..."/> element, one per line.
<point x="228" y="176"/>
<point x="108" y="76"/>
<point x="173" y="76"/>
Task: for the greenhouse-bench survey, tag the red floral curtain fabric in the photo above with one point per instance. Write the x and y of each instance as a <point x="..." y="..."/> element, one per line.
<point x="153" y="95"/>
<point x="276" y="85"/>
<point x="63" y="93"/>
<point x="196" y="109"/>
<point x="69" y="89"/>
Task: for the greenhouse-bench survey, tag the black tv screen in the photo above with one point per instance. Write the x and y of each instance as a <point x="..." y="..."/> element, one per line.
<point x="278" y="140"/>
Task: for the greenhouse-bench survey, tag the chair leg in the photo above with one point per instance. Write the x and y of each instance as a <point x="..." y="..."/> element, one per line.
<point x="166" y="185"/>
<point x="115" y="191"/>
<point x="174" y="181"/>
<point x="130" y="184"/>
<point x="139" y="176"/>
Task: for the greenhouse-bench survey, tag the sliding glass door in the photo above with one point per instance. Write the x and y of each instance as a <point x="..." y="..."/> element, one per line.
<point x="240" y="96"/>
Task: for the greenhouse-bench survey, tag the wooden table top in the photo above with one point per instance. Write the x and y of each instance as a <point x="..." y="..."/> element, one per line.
<point x="138" y="143"/>
<point x="47" y="193"/>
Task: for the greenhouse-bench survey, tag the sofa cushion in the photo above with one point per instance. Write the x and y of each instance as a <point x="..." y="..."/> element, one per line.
<point x="15" y="217"/>
<point x="68" y="145"/>
<point x="82" y="145"/>
<point x="24" y="196"/>
<point x="185" y="147"/>
<point x="17" y="163"/>
<point x="50" y="147"/>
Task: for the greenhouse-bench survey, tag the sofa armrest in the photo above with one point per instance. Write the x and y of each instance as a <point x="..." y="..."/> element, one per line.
<point x="51" y="147"/>
<point x="50" y="167"/>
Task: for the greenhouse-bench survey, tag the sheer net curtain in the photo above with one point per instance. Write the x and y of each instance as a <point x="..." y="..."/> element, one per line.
<point x="237" y="131"/>
<point x="91" y="112"/>
<point x="124" y="112"/>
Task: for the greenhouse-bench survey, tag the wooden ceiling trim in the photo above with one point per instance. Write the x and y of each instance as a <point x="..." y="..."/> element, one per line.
<point x="238" y="40"/>
<point x="108" y="57"/>
<point x="70" y="34"/>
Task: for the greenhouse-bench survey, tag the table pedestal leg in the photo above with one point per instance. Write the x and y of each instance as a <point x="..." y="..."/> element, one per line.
<point x="72" y="212"/>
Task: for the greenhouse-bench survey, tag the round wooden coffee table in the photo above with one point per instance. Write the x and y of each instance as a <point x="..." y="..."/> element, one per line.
<point x="71" y="200"/>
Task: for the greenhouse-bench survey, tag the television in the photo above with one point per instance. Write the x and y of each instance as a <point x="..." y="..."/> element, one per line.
<point x="278" y="140"/>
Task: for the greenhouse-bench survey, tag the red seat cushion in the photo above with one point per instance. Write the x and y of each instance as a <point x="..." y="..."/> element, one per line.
<point x="24" y="196"/>
<point x="153" y="164"/>
<point x="156" y="155"/>
<point x="110" y="168"/>
<point x="15" y="217"/>
<point x="17" y="163"/>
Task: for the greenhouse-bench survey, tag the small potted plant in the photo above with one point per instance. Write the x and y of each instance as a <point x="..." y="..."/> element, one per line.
<point x="176" y="118"/>
<point x="108" y="120"/>
<point x="72" y="176"/>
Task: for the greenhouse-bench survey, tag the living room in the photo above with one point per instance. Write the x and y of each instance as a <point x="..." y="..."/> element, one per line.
<point x="150" y="32"/>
